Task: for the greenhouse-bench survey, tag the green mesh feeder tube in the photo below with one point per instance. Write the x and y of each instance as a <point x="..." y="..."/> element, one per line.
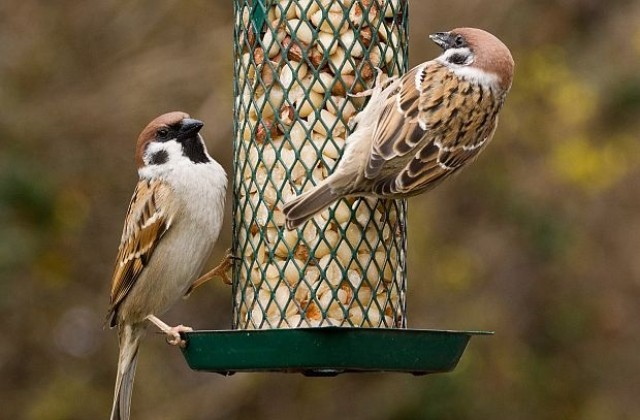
<point x="346" y="266"/>
<point x="317" y="299"/>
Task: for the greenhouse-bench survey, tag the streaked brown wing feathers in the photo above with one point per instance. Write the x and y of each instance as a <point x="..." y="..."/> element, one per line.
<point x="441" y="127"/>
<point x="147" y="221"/>
<point x="399" y="130"/>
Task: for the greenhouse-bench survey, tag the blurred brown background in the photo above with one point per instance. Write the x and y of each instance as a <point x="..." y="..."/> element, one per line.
<point x="538" y="240"/>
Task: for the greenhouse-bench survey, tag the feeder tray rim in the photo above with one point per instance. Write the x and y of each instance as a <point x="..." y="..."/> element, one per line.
<point x="343" y="328"/>
<point x="327" y="351"/>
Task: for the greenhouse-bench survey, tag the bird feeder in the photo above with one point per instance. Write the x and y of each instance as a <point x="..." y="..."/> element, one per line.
<point x="330" y="296"/>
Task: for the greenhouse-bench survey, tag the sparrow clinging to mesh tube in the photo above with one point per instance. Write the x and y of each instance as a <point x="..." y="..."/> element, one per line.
<point x="418" y="129"/>
<point x="171" y="227"/>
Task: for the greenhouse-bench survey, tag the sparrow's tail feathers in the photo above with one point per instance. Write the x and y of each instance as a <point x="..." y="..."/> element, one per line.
<point x="304" y="206"/>
<point x="127" y="361"/>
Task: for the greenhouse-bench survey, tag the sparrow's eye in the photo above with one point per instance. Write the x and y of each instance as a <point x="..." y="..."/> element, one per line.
<point x="459" y="42"/>
<point x="163" y="133"/>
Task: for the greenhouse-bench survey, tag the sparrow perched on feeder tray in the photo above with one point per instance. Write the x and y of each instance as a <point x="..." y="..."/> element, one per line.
<point x="418" y="129"/>
<point x="171" y="227"/>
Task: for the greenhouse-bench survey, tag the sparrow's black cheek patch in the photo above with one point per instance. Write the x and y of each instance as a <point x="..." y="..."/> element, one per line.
<point x="159" y="157"/>
<point x="457" y="59"/>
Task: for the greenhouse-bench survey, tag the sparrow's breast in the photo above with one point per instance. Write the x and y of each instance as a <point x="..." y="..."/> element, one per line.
<point x="185" y="248"/>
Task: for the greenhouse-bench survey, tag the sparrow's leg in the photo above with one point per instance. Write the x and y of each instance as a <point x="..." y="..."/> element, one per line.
<point x="382" y="82"/>
<point x="173" y="333"/>
<point x="220" y="271"/>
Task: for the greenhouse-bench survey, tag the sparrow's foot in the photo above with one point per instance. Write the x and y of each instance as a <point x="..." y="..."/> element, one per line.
<point x="382" y="82"/>
<point x="173" y="333"/>
<point x="353" y="121"/>
<point x="362" y="94"/>
<point x="222" y="271"/>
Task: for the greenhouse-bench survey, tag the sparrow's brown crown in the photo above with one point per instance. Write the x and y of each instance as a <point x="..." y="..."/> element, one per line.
<point x="491" y="55"/>
<point x="151" y="131"/>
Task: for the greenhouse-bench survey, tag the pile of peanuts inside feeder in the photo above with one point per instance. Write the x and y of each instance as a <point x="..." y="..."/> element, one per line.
<point x="345" y="267"/>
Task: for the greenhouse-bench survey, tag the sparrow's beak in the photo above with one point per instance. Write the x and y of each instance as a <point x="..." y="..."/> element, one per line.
<point x="442" y="39"/>
<point x="189" y="128"/>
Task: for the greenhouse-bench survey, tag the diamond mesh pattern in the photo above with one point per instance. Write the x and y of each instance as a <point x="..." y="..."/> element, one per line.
<point x="296" y="61"/>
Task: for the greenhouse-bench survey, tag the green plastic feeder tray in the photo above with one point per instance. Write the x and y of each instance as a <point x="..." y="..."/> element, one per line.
<point x="326" y="351"/>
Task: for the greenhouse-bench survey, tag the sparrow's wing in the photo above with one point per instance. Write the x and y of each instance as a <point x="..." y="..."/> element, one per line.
<point x="432" y="126"/>
<point x="148" y="219"/>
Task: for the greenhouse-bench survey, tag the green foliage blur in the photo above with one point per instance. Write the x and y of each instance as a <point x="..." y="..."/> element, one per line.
<point x="537" y="241"/>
